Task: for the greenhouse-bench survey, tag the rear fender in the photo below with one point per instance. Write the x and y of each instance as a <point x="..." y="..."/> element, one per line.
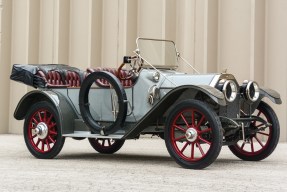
<point x="169" y="99"/>
<point x="65" y="111"/>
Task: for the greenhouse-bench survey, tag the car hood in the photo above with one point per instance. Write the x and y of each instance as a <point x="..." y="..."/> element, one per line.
<point x="178" y="79"/>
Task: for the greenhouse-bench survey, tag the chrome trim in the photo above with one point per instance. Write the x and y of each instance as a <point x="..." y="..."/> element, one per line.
<point x="233" y="87"/>
<point x="191" y="134"/>
<point x="155" y="40"/>
<point x="156" y="76"/>
<point x="41" y="130"/>
<point x="214" y="80"/>
<point x="256" y="89"/>
<point x="153" y="94"/>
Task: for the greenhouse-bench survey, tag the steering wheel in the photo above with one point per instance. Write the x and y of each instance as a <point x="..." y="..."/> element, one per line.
<point x="131" y="73"/>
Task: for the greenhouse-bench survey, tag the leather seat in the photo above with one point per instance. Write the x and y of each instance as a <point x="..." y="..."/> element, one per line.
<point x="68" y="78"/>
<point x="126" y="83"/>
<point x="54" y="78"/>
<point x="73" y="79"/>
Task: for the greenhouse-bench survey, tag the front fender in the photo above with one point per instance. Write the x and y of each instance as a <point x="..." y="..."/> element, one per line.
<point x="168" y="100"/>
<point x="273" y="95"/>
<point x="212" y="92"/>
<point x="65" y="111"/>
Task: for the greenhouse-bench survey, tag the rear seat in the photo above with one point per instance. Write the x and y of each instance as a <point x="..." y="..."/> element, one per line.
<point x="66" y="78"/>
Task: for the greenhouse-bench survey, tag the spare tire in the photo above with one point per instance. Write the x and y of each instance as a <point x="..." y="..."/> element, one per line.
<point x="104" y="109"/>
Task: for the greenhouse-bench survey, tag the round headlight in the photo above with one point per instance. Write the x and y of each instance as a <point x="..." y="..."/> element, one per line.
<point x="252" y="91"/>
<point x="229" y="90"/>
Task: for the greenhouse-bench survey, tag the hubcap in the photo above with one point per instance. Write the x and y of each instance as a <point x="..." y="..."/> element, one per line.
<point x="41" y="130"/>
<point x="191" y="134"/>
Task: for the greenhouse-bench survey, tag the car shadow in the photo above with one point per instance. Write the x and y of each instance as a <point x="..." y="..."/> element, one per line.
<point x="123" y="157"/>
<point x="163" y="160"/>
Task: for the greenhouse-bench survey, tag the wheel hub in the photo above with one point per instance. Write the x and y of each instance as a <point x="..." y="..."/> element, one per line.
<point x="191" y="134"/>
<point x="41" y="130"/>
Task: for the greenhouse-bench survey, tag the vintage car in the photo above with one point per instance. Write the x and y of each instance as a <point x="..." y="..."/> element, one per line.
<point x="194" y="113"/>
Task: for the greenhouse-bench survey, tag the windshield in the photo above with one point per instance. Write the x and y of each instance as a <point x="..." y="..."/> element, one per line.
<point x="159" y="53"/>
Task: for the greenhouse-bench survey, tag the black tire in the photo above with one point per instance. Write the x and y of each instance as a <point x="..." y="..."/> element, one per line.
<point x="106" y="146"/>
<point x="262" y="143"/>
<point x="48" y="143"/>
<point x="95" y="127"/>
<point x="205" y="130"/>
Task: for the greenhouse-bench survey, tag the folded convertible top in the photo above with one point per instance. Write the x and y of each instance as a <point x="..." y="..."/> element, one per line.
<point x="36" y="75"/>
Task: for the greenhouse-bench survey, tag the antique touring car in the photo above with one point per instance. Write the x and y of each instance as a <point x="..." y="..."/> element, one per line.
<point x="194" y="113"/>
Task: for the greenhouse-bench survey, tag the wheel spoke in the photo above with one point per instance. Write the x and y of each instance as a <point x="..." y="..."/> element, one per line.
<point x="109" y="142"/>
<point x="183" y="118"/>
<point x="37" y="143"/>
<point x="200" y="149"/>
<point x="259" y="113"/>
<point x="49" y="120"/>
<point x="179" y="138"/>
<point x="51" y="139"/>
<point x="180" y="128"/>
<point x="259" y="125"/>
<point x="192" y="151"/>
<point x="205" y="141"/>
<point x="252" y="145"/>
<point x="103" y="143"/>
<point x="242" y="146"/>
<point x="35" y="121"/>
<point x="263" y="134"/>
<point x="48" y="145"/>
<point x="200" y="122"/>
<point x="51" y="132"/>
<point x="205" y="131"/>
<point x="40" y="117"/>
<point x="259" y="141"/>
<point x="43" y="145"/>
<point x="52" y="125"/>
<point x="184" y="147"/>
<point x="45" y="116"/>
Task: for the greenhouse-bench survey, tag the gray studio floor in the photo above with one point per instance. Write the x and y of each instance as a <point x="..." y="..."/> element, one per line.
<point x="141" y="165"/>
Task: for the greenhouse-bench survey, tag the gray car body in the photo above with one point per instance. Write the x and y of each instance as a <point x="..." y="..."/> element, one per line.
<point x="142" y="115"/>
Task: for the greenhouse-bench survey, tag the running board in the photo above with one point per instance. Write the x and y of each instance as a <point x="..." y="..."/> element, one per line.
<point x="88" y="134"/>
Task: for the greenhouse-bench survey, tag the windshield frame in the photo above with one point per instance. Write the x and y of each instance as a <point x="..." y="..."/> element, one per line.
<point x="147" y="64"/>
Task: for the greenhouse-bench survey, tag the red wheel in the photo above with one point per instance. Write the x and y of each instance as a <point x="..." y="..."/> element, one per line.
<point x="193" y="134"/>
<point x="260" y="140"/>
<point x="107" y="146"/>
<point x="42" y="131"/>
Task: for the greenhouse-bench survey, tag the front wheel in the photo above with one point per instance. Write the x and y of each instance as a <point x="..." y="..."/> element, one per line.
<point x="42" y="131"/>
<point x="262" y="142"/>
<point x="193" y="134"/>
<point x="106" y="146"/>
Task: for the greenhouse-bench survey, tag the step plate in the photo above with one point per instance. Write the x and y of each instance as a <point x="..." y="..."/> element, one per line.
<point x="87" y="134"/>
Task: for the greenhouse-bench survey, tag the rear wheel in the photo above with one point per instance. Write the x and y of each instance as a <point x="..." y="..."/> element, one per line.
<point x="193" y="134"/>
<point x="106" y="146"/>
<point x="42" y="131"/>
<point x="263" y="140"/>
